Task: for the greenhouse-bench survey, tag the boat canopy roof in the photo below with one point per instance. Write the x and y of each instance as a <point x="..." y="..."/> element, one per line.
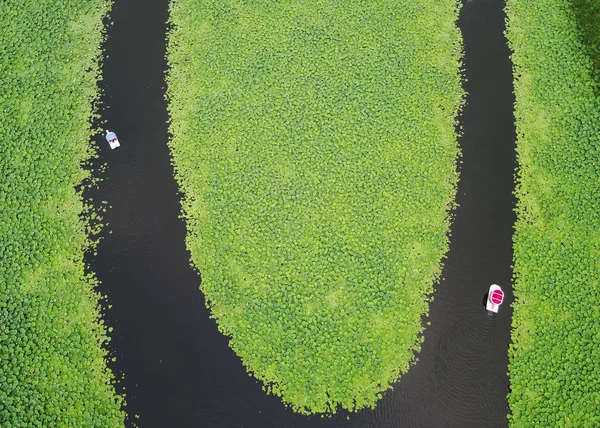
<point x="111" y="136"/>
<point x="497" y="297"/>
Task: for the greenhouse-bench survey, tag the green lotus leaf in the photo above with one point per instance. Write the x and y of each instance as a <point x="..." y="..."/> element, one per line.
<point x="325" y="133"/>
<point x="556" y="246"/>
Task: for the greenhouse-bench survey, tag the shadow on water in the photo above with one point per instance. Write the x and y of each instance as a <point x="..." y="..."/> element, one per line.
<point x="178" y="370"/>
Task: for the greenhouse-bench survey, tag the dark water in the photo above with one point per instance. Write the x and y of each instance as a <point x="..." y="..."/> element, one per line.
<point x="178" y="369"/>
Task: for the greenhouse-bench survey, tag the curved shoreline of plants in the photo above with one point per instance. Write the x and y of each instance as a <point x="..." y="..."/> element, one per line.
<point x="315" y="145"/>
<point x="52" y="366"/>
<point x="555" y="358"/>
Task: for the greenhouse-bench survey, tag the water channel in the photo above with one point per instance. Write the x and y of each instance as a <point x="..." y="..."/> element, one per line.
<point x="178" y="370"/>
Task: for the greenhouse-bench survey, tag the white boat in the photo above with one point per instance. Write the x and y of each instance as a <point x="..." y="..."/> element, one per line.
<point x="495" y="298"/>
<point x="112" y="139"/>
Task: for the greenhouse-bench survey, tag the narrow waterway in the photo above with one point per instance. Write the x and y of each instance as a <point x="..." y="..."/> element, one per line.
<point x="461" y="377"/>
<point x="178" y="370"/>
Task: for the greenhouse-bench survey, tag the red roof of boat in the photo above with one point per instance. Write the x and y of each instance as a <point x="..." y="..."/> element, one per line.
<point x="497" y="297"/>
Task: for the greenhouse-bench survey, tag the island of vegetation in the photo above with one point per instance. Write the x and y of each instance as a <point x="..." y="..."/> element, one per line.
<point x="315" y="145"/>
<point x="52" y="367"/>
<point x="555" y="358"/>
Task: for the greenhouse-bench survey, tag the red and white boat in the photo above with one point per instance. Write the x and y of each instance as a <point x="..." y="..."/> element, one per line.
<point x="112" y="139"/>
<point x="495" y="298"/>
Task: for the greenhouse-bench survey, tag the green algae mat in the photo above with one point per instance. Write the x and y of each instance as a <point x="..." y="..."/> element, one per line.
<point x="314" y="143"/>
<point x="52" y="367"/>
<point x="555" y="358"/>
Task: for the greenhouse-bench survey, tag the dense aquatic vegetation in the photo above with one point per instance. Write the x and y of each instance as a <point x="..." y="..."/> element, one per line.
<point x="315" y="144"/>
<point x="555" y="358"/>
<point x="52" y="367"/>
